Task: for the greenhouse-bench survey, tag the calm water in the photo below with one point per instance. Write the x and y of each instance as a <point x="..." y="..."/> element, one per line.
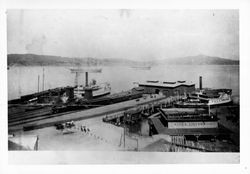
<point x="24" y="80"/>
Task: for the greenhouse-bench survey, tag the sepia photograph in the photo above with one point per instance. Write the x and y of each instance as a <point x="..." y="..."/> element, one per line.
<point x="124" y="80"/>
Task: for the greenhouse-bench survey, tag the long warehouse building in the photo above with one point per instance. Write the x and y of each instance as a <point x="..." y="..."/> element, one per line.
<point x="168" y="88"/>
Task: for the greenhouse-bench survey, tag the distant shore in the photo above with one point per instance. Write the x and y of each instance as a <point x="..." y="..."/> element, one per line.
<point x="47" y="60"/>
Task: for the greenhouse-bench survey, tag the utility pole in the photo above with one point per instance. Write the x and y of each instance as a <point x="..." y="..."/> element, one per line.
<point x="124" y="126"/>
<point x="137" y="144"/>
<point x="209" y="109"/>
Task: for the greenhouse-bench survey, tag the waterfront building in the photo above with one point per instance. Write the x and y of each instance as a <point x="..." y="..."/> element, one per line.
<point x="195" y="126"/>
<point x="168" y="88"/>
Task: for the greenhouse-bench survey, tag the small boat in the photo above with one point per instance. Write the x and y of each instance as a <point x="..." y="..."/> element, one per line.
<point x="80" y="70"/>
<point x="142" y="67"/>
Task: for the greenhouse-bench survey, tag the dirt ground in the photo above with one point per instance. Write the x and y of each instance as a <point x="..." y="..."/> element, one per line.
<point x="108" y="137"/>
<point x="101" y="137"/>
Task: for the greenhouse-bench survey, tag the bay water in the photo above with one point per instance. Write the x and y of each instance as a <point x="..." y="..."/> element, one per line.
<point x="23" y="80"/>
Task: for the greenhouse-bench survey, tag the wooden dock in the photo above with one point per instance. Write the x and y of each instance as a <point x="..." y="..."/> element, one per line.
<point x="95" y="112"/>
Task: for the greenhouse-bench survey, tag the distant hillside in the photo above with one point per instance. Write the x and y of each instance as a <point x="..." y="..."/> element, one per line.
<point x="45" y="60"/>
<point x="198" y="60"/>
<point x="32" y="59"/>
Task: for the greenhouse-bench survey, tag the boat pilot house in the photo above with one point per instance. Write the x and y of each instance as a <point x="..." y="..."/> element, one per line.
<point x="168" y="88"/>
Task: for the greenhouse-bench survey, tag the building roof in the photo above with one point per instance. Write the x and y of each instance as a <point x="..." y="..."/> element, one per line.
<point x="22" y="142"/>
<point x="161" y="129"/>
<point x="166" y="84"/>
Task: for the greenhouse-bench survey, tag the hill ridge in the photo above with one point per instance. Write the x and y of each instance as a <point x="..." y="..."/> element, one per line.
<point x="49" y="60"/>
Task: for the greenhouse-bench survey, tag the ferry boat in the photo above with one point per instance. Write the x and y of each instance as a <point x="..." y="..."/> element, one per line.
<point x="98" y="90"/>
<point x="213" y="97"/>
<point x="223" y="99"/>
<point x="207" y="98"/>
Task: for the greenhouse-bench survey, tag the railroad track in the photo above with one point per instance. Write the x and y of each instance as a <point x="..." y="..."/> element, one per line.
<point x="29" y="119"/>
<point x="38" y="114"/>
<point x="29" y="114"/>
<point x="34" y="118"/>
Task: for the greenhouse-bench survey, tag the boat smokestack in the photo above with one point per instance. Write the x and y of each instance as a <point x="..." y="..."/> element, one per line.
<point x="200" y="82"/>
<point x="88" y="94"/>
<point x="86" y="78"/>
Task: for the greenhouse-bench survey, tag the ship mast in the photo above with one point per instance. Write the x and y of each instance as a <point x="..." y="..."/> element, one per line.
<point x="43" y="79"/>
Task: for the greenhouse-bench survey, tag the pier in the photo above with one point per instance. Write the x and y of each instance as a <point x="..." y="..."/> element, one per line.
<point x="150" y="100"/>
<point x="139" y="119"/>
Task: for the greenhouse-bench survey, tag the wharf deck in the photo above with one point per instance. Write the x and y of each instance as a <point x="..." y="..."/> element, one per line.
<point x="95" y="112"/>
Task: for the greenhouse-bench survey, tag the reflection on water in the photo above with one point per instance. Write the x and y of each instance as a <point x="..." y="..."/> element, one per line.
<point x="24" y="80"/>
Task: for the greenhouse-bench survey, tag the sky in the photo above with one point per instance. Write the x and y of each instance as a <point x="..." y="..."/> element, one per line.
<point x="124" y="33"/>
